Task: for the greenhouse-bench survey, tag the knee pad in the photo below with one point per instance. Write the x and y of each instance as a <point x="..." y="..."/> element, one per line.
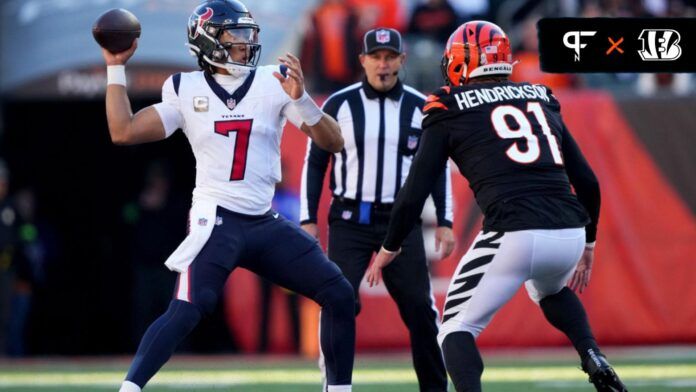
<point x="206" y="300"/>
<point x="185" y="313"/>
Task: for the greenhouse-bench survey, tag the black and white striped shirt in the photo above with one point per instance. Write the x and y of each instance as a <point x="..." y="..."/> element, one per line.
<point x="381" y="133"/>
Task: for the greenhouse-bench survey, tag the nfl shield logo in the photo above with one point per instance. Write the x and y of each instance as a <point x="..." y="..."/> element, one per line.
<point x="347" y="214"/>
<point x="218" y="220"/>
<point x="383" y="36"/>
<point x="231" y="103"/>
<point x="202" y="222"/>
<point x="412" y="142"/>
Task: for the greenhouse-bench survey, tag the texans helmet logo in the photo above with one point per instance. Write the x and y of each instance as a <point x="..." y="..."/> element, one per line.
<point x="197" y="21"/>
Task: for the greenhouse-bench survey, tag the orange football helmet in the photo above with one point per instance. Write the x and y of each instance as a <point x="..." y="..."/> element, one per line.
<point x="477" y="48"/>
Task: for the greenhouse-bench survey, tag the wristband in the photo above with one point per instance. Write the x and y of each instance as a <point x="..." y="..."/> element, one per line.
<point x="391" y="252"/>
<point x="308" y="109"/>
<point x="590" y="245"/>
<point x="116" y="74"/>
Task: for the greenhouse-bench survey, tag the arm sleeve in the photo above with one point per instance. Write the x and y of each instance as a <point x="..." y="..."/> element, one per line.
<point x="442" y="196"/>
<point x="169" y="109"/>
<point x="313" y="173"/>
<point x="583" y="180"/>
<point x="427" y="167"/>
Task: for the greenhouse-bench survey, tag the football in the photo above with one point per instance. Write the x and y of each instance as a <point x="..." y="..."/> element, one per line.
<point x="116" y="29"/>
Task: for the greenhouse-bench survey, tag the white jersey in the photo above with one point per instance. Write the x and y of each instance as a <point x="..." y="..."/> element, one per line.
<point x="235" y="139"/>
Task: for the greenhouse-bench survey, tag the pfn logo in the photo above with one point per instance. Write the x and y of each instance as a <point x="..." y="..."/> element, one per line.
<point x="660" y="45"/>
<point x="575" y="44"/>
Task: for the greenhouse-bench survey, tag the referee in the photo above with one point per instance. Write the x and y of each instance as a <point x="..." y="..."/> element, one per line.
<point x="380" y="120"/>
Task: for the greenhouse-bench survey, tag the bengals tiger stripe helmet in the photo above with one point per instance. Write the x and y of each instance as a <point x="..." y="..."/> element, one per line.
<point x="477" y="48"/>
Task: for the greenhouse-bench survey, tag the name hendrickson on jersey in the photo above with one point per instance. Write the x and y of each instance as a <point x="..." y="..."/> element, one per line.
<point x="479" y="96"/>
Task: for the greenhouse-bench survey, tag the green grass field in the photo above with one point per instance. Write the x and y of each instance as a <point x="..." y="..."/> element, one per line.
<point x="642" y="370"/>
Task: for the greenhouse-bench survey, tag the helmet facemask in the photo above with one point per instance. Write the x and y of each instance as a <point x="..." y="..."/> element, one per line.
<point x="454" y="63"/>
<point x="237" y="50"/>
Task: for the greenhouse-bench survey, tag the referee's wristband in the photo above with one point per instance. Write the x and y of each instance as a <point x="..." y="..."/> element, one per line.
<point x="116" y="74"/>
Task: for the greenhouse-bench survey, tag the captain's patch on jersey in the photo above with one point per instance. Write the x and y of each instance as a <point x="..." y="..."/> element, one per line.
<point x="200" y="104"/>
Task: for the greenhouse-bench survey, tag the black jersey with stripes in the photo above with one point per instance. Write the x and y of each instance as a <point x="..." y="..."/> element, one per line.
<point x="509" y="141"/>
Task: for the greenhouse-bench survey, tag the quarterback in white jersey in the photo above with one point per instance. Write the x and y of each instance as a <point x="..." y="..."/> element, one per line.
<point x="236" y="141"/>
<point x="233" y="113"/>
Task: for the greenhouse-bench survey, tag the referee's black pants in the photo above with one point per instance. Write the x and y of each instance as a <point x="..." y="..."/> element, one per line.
<point x="351" y="246"/>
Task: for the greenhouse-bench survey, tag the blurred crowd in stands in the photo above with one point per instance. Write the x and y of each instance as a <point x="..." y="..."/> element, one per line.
<point x="335" y="27"/>
<point x="27" y="246"/>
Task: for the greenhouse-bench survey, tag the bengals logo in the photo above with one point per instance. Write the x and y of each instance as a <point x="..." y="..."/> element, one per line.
<point x="660" y="45"/>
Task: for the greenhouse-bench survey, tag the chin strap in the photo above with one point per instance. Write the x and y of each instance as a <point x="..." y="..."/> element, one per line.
<point x="234" y="69"/>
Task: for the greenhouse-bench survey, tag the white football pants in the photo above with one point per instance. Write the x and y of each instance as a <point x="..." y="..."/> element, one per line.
<point x="498" y="263"/>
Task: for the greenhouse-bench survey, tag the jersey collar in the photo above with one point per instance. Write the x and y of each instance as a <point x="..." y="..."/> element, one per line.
<point x="393" y="94"/>
<point x="230" y="100"/>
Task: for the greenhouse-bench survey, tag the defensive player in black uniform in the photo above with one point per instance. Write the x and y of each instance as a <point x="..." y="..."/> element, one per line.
<point x="510" y="142"/>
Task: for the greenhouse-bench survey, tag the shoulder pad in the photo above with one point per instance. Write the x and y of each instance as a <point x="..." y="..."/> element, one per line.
<point x="439" y="105"/>
<point x="176" y="79"/>
<point x="553" y="101"/>
<point x="437" y="101"/>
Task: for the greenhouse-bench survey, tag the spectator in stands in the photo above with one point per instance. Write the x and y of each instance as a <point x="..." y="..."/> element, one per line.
<point x="473" y="9"/>
<point x="330" y="46"/>
<point x="382" y="13"/>
<point x="156" y="228"/>
<point x="29" y="261"/>
<point x="15" y="275"/>
<point x="433" y="19"/>
<point x="430" y="25"/>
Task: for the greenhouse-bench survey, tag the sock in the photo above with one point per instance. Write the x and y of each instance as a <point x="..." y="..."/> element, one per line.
<point x="565" y="312"/>
<point x="161" y="339"/>
<point x="463" y="361"/>
<point x="340" y="388"/>
<point x="128" y="386"/>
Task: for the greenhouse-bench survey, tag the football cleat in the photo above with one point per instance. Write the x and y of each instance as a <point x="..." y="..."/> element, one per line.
<point x="602" y="375"/>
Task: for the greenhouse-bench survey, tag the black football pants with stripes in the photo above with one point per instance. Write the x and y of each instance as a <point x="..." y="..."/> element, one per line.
<point x="351" y="246"/>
